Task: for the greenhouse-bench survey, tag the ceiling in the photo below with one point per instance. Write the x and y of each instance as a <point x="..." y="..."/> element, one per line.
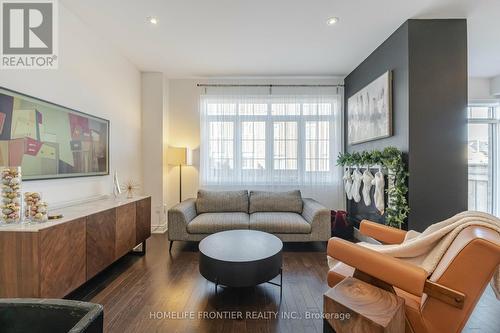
<point x="196" y="38"/>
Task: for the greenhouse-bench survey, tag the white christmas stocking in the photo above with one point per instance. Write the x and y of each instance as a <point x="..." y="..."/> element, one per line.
<point x="379" y="183"/>
<point x="348" y="183"/>
<point x="356" y="185"/>
<point x="367" y="186"/>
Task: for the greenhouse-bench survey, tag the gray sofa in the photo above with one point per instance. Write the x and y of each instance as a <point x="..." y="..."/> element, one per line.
<point x="284" y="214"/>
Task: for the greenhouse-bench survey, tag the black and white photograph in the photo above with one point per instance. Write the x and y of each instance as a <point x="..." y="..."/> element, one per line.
<point x="369" y="111"/>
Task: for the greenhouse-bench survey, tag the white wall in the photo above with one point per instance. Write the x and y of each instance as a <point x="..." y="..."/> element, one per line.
<point x="484" y="89"/>
<point x="479" y="88"/>
<point x="495" y="86"/>
<point x="94" y="78"/>
<point x="184" y="130"/>
<point x="154" y="122"/>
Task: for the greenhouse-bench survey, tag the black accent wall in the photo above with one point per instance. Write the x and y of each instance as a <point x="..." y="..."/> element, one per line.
<point x="428" y="60"/>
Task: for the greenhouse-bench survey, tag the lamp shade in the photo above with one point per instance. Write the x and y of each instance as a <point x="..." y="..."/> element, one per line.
<point x="179" y="156"/>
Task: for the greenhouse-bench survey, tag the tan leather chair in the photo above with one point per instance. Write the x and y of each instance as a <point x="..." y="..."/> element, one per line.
<point x="438" y="303"/>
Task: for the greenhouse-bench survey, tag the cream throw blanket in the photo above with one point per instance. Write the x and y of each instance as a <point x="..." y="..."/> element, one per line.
<point x="427" y="248"/>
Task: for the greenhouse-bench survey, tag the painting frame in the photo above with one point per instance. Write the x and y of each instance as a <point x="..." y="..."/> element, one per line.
<point x="366" y="111"/>
<point x="58" y="107"/>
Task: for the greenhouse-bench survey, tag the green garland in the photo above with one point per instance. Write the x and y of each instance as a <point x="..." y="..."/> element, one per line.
<point x="392" y="159"/>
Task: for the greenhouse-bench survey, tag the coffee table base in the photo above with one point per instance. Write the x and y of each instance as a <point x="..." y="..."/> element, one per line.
<point x="270" y="282"/>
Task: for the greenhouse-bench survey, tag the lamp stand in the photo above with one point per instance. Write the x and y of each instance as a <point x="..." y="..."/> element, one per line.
<point x="180" y="182"/>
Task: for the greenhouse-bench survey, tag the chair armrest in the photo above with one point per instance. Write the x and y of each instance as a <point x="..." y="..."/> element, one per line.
<point x="382" y="233"/>
<point x="179" y="217"/>
<point x="319" y="217"/>
<point x="393" y="271"/>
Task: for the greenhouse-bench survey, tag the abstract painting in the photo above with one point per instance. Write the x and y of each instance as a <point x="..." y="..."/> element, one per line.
<point x="369" y="111"/>
<point x="51" y="141"/>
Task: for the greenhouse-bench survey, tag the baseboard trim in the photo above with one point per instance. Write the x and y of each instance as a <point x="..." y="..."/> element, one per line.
<point x="159" y="229"/>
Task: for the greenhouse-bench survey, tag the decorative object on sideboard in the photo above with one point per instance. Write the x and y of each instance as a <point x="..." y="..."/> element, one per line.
<point x="36" y="209"/>
<point x="116" y="185"/>
<point x="49" y="140"/>
<point x="11" y="195"/>
<point x="131" y="187"/>
<point x="369" y="111"/>
<point x="179" y="156"/>
<point x="390" y="159"/>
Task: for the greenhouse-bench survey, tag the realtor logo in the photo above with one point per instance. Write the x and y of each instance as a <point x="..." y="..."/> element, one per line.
<point x="28" y="37"/>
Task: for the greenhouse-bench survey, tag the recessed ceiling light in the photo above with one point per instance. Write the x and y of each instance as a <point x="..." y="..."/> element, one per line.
<point x="332" y="20"/>
<point x="152" y="20"/>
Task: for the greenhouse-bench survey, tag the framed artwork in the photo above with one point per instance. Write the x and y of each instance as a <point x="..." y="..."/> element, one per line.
<point x="369" y="111"/>
<point x="49" y="140"/>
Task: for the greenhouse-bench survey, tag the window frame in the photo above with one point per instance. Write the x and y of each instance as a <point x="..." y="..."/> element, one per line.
<point x="493" y="122"/>
<point x="298" y="176"/>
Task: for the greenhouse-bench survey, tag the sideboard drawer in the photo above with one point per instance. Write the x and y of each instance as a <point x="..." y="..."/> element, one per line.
<point x="63" y="251"/>
<point x="101" y="238"/>
<point x="19" y="264"/>
<point x="143" y="220"/>
<point x="125" y="229"/>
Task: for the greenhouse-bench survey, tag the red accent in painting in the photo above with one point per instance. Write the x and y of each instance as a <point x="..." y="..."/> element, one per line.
<point x="32" y="146"/>
<point x="16" y="152"/>
<point x="79" y="125"/>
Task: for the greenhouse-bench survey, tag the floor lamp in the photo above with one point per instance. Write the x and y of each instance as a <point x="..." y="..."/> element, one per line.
<point x="179" y="156"/>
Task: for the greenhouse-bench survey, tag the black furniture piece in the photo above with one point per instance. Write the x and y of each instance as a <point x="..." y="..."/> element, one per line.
<point x="49" y="316"/>
<point x="241" y="258"/>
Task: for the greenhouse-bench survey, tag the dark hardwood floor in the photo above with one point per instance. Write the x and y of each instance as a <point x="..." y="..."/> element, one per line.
<point x="161" y="293"/>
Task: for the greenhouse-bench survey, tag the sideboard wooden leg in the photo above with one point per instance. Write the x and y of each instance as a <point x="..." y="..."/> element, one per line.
<point x="140" y="252"/>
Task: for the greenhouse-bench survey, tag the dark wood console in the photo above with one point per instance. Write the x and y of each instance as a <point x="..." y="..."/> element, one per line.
<point x="52" y="259"/>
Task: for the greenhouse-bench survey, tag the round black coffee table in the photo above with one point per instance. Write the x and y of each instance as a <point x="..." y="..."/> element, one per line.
<point x="241" y="258"/>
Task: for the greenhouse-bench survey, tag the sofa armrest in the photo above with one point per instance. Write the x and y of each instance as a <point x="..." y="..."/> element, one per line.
<point x="319" y="217"/>
<point x="382" y="233"/>
<point x="313" y="211"/>
<point x="395" y="272"/>
<point x="179" y="217"/>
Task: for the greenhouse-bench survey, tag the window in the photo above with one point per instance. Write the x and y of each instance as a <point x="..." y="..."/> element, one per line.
<point x="221" y="145"/>
<point x="482" y="157"/>
<point x="266" y="140"/>
<point x="317" y="146"/>
<point x="285" y="145"/>
<point x="253" y="145"/>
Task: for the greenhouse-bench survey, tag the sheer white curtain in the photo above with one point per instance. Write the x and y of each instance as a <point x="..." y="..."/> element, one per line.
<point x="274" y="139"/>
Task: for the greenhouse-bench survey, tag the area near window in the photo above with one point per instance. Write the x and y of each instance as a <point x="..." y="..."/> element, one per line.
<point x="269" y="139"/>
<point x="483" y="156"/>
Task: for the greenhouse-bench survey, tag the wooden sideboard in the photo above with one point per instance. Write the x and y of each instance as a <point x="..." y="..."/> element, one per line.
<point x="52" y="259"/>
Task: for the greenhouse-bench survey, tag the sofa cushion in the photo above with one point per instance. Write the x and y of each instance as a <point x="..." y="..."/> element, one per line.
<point x="208" y="223"/>
<point x="281" y="223"/>
<point x="222" y="201"/>
<point x="263" y="201"/>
